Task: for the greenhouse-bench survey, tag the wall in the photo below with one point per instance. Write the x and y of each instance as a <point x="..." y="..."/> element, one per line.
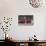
<point x="13" y="8"/>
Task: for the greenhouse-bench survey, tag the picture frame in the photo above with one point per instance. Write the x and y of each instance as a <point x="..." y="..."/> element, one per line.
<point x="25" y="19"/>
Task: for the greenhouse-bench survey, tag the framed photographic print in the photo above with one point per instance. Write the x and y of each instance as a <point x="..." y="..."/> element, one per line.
<point x="25" y="19"/>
